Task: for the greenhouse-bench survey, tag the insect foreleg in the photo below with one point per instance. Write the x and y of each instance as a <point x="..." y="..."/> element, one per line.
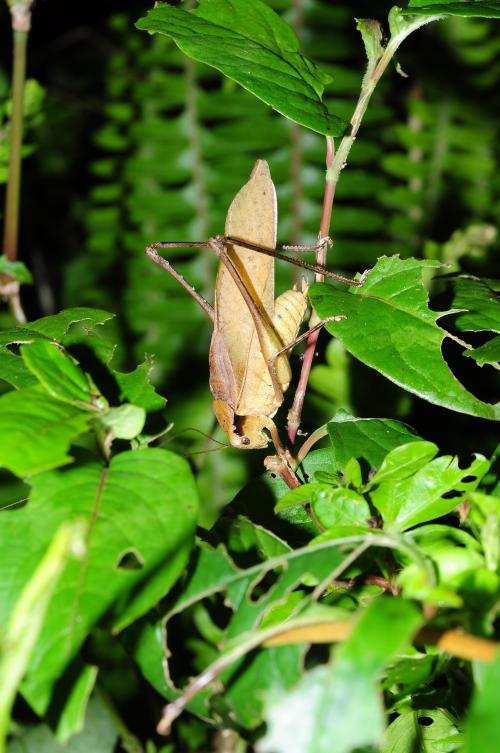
<point x="317" y="269"/>
<point x="164" y="264"/>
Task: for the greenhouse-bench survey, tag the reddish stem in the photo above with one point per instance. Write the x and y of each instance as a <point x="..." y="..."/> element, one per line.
<point x="295" y="413"/>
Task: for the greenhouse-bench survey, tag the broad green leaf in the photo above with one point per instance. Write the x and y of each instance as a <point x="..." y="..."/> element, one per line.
<point x="390" y="327"/>
<point x="36" y="430"/>
<point x="15" y="269"/>
<point x="425" y="731"/>
<point x="404" y="461"/>
<point x="19" y="634"/>
<point x="340" y="507"/>
<point x="352" y="474"/>
<point x="369" y="439"/>
<point x="482" y="732"/>
<point x="56" y="326"/>
<point x="485" y="514"/>
<point x="341" y="702"/>
<point x="302" y="495"/>
<point x="331" y="507"/>
<point x="136" y="388"/>
<point x="99" y="735"/>
<point x="59" y="374"/>
<point x="140" y="515"/>
<point x="242" y="535"/>
<point x="124" y="422"/>
<point x="79" y="326"/>
<point x="480" y="303"/>
<point x="487" y="353"/>
<point x="70" y="325"/>
<point x="251" y="44"/>
<point x="12" y="367"/>
<point x="272" y="671"/>
<point x="460" y="568"/>
<point x="14" y="371"/>
<point x="459" y="565"/>
<point x="481" y="8"/>
<point x="406" y="502"/>
<point x="212" y="572"/>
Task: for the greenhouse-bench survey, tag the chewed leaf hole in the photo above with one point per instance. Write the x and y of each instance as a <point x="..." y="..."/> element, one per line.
<point x="264" y="584"/>
<point x="130" y="560"/>
<point x="425" y="721"/>
<point x="14" y="348"/>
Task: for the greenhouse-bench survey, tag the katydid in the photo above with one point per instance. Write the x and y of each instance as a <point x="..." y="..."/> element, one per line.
<point x="249" y="368"/>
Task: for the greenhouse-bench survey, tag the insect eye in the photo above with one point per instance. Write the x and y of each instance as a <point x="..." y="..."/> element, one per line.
<point x="245" y="440"/>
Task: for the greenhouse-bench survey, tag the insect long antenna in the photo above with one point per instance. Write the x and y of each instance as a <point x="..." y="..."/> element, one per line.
<point x="222" y="445"/>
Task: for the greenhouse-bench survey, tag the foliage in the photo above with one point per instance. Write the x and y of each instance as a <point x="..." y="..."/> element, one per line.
<point x="131" y="577"/>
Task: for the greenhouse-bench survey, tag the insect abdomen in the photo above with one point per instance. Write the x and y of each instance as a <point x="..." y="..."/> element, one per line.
<point x="289" y="311"/>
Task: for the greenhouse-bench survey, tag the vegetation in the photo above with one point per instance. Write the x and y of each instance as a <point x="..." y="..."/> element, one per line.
<point x="161" y="591"/>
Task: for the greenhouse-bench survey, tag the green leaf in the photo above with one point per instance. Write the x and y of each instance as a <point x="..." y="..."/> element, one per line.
<point x="481" y="8"/>
<point x="404" y="503"/>
<point x="271" y="671"/>
<point x="59" y="374"/>
<point x="12" y="367"/>
<point x="401" y="27"/>
<point x="371" y="32"/>
<point x="481" y="305"/>
<point x="124" y="422"/>
<point x="389" y="327"/>
<point x="482" y="732"/>
<point x="56" y="326"/>
<point x="485" y="513"/>
<point x="36" y="430"/>
<point x="302" y="495"/>
<point x="459" y="566"/>
<point x="15" y="269"/>
<point x="99" y="735"/>
<point x="251" y="44"/>
<point x="141" y="510"/>
<point x="136" y="388"/>
<point x="332" y="507"/>
<point x="488" y="353"/>
<point x="69" y="326"/>
<point x="425" y="731"/>
<point x="341" y="701"/>
<point x="369" y="439"/>
<point x="404" y="461"/>
<point x="80" y="682"/>
<point x="26" y="619"/>
<point x="340" y="507"/>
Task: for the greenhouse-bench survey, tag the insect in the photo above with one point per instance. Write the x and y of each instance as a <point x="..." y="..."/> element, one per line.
<point x="252" y="331"/>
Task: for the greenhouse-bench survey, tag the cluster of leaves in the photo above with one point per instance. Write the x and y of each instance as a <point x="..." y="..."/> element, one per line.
<point x="136" y="508"/>
<point x="387" y="543"/>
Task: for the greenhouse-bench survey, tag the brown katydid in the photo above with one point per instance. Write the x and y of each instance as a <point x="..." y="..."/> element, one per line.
<point x="249" y="368"/>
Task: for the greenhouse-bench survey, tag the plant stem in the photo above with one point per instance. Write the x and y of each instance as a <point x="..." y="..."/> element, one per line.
<point x="295" y="413"/>
<point x="335" y="163"/>
<point x="21" y="24"/>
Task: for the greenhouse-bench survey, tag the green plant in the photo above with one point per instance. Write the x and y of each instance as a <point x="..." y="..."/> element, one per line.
<point x="380" y="539"/>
